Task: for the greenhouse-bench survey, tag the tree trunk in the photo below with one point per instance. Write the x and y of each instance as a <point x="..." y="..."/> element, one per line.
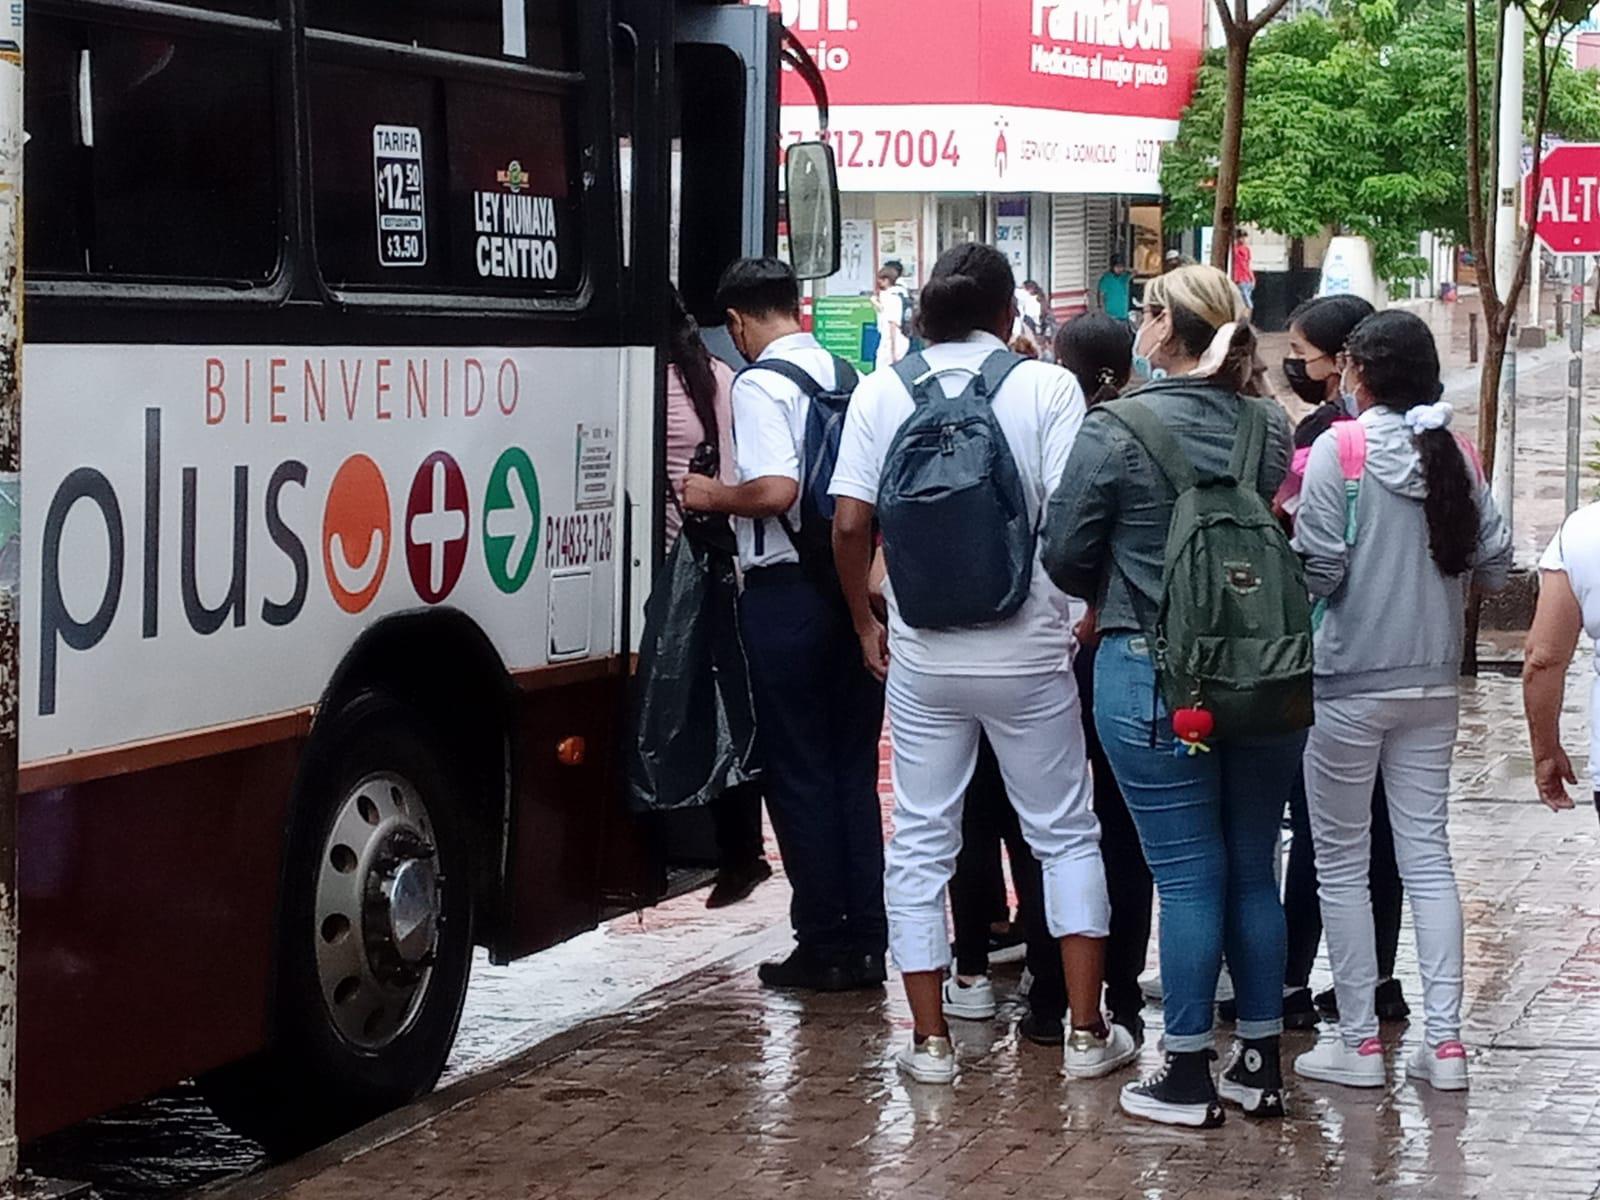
<point x="1494" y="359"/>
<point x="1223" y="218"/>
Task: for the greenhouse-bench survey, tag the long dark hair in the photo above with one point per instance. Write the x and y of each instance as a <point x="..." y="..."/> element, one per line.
<point x="1399" y="365"/>
<point x="971" y="288"/>
<point x="690" y="358"/>
<point x="1098" y="350"/>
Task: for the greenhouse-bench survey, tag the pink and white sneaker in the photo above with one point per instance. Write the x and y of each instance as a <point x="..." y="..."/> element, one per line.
<point x="1332" y="1061"/>
<point x="1443" y="1066"/>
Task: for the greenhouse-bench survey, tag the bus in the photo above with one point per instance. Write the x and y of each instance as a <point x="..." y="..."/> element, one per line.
<point x="343" y="401"/>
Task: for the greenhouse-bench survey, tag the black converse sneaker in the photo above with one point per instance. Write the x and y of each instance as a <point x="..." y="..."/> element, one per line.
<point x="1253" y="1078"/>
<point x="1182" y="1092"/>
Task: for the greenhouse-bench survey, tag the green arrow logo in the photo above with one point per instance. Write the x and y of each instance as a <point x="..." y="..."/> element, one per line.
<point x="511" y="520"/>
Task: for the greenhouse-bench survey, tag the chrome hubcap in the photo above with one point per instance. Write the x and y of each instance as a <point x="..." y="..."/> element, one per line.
<point x="378" y="910"/>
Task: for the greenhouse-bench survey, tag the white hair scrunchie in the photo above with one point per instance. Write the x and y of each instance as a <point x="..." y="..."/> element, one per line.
<point x="1424" y="417"/>
<point x="1218" y="350"/>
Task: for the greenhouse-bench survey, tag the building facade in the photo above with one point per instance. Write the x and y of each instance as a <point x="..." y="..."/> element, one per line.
<point x="1032" y="124"/>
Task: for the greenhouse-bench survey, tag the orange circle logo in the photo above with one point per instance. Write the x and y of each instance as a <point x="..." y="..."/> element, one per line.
<point x="355" y="533"/>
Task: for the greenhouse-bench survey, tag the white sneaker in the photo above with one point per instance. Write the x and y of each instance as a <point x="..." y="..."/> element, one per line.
<point x="1443" y="1066"/>
<point x="1090" y="1057"/>
<point x="933" y="1060"/>
<point x="1332" y="1061"/>
<point x="971" y="1001"/>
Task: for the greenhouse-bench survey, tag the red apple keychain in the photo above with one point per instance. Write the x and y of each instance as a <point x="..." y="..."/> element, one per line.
<point x="1193" y="726"/>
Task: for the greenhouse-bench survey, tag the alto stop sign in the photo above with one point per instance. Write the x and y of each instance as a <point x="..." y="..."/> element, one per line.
<point x="1566" y="212"/>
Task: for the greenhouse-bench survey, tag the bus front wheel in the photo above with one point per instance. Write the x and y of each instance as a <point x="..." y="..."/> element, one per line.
<point x="374" y="939"/>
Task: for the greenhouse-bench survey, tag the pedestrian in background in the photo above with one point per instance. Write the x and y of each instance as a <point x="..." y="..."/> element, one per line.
<point x="892" y="303"/>
<point x="700" y="424"/>
<point x="951" y="678"/>
<point x="1569" y="604"/>
<point x="1396" y="523"/>
<point x="1244" y="273"/>
<point x="1115" y="289"/>
<point x="1318" y="331"/>
<point x="819" y="711"/>
<point x="1209" y="823"/>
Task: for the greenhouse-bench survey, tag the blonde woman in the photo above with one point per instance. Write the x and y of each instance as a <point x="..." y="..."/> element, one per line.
<point x="1208" y="822"/>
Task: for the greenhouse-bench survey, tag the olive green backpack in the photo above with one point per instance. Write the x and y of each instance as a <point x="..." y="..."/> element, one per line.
<point x="1233" y="631"/>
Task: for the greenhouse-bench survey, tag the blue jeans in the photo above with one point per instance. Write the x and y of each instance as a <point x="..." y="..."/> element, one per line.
<point x="1210" y="825"/>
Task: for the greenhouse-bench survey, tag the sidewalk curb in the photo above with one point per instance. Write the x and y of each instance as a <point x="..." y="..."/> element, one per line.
<point x="280" y="1178"/>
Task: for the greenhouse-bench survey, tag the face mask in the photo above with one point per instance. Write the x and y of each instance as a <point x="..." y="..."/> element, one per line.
<point x="1143" y="369"/>
<point x="1312" y="391"/>
<point x="1347" y="397"/>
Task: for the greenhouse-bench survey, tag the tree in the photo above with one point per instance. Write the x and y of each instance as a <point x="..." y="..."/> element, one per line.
<point x="1548" y="22"/>
<point x="1355" y="123"/>
<point x="1239" y="29"/>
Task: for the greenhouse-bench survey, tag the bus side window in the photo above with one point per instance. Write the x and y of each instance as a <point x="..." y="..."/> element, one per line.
<point x="537" y="32"/>
<point x="152" y="156"/>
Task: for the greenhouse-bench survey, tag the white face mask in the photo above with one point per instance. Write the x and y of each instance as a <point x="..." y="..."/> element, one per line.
<point x="1143" y="368"/>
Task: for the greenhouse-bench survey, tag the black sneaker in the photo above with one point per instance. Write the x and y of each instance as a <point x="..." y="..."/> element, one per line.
<point x="1228" y="1012"/>
<point x="1253" y="1078"/>
<point x="871" y="970"/>
<point x="1182" y="1092"/>
<point x="1299" y="1010"/>
<point x="804" y="971"/>
<point x="1042" y="1031"/>
<point x="1391" y="1002"/>
<point x="1388" y="1000"/>
<point x="736" y="883"/>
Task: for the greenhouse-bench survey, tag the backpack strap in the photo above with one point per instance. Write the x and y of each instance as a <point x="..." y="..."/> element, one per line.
<point x="793" y="372"/>
<point x="996" y="368"/>
<point x="1249" y="443"/>
<point x="1140" y="420"/>
<point x="1352" y="441"/>
<point x="915" y="374"/>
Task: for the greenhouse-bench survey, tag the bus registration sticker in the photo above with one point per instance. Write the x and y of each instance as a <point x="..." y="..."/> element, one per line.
<point x="402" y="220"/>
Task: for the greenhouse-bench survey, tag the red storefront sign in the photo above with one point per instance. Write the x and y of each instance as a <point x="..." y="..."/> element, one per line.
<point x="1132" y="58"/>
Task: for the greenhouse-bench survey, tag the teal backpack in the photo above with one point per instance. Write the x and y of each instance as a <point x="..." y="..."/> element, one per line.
<point x="1232" y="635"/>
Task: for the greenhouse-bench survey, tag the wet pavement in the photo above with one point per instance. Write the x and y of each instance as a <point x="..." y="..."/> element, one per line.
<point x="713" y="1086"/>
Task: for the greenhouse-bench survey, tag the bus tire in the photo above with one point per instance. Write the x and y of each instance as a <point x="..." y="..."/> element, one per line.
<point x="374" y="933"/>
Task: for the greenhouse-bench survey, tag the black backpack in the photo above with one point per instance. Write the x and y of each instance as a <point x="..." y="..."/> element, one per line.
<point x="813" y="540"/>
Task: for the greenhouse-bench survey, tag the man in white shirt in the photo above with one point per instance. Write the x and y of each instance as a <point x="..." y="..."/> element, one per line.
<point x="820" y="713"/>
<point x="1008" y="678"/>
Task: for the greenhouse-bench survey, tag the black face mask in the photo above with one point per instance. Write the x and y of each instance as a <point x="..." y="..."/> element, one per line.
<point x="1312" y="391"/>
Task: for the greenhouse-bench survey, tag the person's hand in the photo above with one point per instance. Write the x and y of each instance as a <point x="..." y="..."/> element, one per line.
<point x="1085" y="630"/>
<point x="1551" y="773"/>
<point x="701" y="493"/>
<point x="875" y="649"/>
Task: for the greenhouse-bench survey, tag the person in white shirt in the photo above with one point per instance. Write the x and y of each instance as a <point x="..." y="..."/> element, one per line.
<point x="819" y="711"/>
<point x="891" y="302"/>
<point x="1010" y="679"/>
<point x="1569" y="604"/>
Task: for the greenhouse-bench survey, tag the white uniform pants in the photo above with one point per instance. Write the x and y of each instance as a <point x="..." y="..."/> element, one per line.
<point x="1413" y="740"/>
<point x="1035" y="725"/>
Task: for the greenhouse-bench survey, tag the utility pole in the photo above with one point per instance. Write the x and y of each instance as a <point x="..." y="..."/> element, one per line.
<point x="1577" y="271"/>
<point x="11" y="138"/>
<point x="1508" y="187"/>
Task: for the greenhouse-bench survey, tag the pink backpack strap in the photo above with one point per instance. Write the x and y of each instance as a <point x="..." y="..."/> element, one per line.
<point x="1469" y="451"/>
<point x="1352" y="450"/>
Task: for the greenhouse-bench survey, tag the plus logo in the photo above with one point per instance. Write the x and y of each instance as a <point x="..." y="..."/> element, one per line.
<point x="436" y="527"/>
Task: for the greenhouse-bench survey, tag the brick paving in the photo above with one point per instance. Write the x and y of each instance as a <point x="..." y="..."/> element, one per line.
<point x="714" y="1087"/>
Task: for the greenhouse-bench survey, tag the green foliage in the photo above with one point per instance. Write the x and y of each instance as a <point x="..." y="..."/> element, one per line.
<point x="1357" y="121"/>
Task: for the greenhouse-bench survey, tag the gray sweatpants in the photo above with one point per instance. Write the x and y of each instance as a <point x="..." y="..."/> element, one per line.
<point x="1413" y="740"/>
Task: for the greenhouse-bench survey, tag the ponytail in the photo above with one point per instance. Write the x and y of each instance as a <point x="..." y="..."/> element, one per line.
<point x="1451" y="505"/>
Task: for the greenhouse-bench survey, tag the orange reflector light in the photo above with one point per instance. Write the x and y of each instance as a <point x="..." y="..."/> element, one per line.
<point x="570" y="751"/>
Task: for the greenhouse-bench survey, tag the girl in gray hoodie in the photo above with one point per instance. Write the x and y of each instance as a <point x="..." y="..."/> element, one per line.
<point x="1396" y="523"/>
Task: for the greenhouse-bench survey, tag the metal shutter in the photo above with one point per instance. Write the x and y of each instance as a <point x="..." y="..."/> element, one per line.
<point x="1069" y="283"/>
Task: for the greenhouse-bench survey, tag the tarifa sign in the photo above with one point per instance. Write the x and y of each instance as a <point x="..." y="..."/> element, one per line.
<point x="234" y="517"/>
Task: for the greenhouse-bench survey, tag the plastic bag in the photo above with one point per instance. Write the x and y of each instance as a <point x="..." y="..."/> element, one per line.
<point x="694" y="724"/>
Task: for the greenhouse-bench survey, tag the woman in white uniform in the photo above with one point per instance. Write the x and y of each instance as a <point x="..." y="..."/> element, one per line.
<point x="1009" y="678"/>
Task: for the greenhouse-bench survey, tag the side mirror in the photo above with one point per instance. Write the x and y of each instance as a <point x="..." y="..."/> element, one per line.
<point x="812" y="184"/>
